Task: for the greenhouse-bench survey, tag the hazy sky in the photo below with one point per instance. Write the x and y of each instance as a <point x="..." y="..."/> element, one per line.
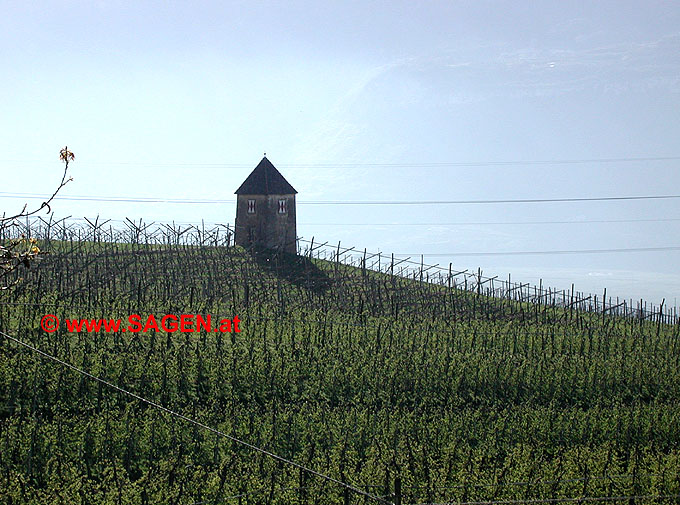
<point x="378" y="101"/>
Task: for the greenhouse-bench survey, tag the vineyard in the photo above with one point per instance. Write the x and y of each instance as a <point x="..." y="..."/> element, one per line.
<point x="356" y="378"/>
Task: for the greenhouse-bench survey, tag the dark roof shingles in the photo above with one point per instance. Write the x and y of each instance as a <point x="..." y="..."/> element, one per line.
<point x="265" y="180"/>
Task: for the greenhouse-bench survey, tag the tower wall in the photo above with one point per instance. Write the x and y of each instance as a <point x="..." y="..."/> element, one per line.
<point x="266" y="227"/>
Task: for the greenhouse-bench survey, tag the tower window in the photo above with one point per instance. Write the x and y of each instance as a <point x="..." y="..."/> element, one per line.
<point x="251" y="206"/>
<point x="282" y="206"/>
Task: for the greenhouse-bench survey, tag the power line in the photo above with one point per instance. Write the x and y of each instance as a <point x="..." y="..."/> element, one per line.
<point x="469" y="202"/>
<point x="123" y="199"/>
<point x="457" y="223"/>
<point x="576" y="161"/>
<point x="495" y="163"/>
<point x="86" y="198"/>
<point x="193" y="421"/>
<point x="482" y="223"/>
<point x="527" y="253"/>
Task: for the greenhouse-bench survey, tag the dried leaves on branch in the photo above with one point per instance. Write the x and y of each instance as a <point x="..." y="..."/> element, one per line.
<point x="22" y="251"/>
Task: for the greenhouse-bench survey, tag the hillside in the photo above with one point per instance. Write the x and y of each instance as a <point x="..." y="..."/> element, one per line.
<point x="373" y="379"/>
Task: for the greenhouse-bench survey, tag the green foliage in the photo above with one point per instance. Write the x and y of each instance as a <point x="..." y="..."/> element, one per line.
<point x="363" y="376"/>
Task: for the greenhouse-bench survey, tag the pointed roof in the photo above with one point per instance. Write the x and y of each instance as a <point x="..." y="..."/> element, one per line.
<point x="265" y="180"/>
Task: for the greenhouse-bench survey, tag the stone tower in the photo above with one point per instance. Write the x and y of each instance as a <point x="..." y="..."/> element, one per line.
<point x="265" y="210"/>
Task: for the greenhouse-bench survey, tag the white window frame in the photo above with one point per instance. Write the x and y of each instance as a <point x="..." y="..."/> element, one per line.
<point x="283" y="205"/>
<point x="251" y="206"/>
